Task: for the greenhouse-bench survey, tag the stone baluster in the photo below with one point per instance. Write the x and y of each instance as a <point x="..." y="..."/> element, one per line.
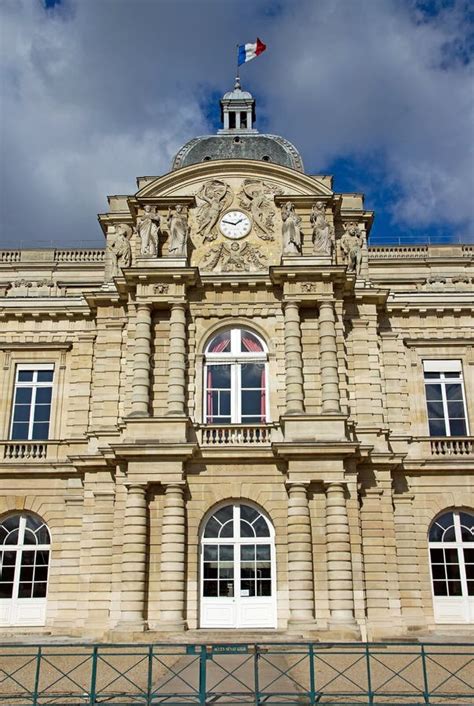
<point x="177" y="361"/>
<point x="134" y="560"/>
<point x="341" y="598"/>
<point x="294" y="360"/>
<point x="141" y="363"/>
<point x="300" y="557"/>
<point x="173" y="545"/>
<point x="328" y="354"/>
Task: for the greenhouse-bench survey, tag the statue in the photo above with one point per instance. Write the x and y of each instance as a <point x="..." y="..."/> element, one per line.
<point x="147" y="228"/>
<point x="234" y="257"/>
<point x="216" y="196"/>
<point x="351" y="246"/>
<point x="178" y="228"/>
<point x="257" y="197"/>
<point x="291" y="230"/>
<point x="323" y="233"/>
<point x="120" y="249"/>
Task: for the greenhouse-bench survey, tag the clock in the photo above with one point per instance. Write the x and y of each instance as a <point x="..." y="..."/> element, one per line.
<point x="235" y="225"/>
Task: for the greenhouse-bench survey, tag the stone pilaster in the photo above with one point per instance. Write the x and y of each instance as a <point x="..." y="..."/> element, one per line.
<point x="173" y="545"/>
<point x="141" y="363"/>
<point x="134" y="560"/>
<point x="177" y="361"/>
<point x="294" y="360"/>
<point x="330" y="396"/>
<point x="300" y="557"/>
<point x="341" y="599"/>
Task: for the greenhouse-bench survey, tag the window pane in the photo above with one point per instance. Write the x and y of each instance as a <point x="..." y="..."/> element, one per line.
<point x="43" y="395"/>
<point x="212" y="528"/>
<point x="6" y="590"/>
<point x="449" y="535"/>
<point x="248" y="513"/>
<point x="30" y="537"/>
<point x="42" y="412"/>
<point x="261" y="528"/>
<point x="251" y="403"/>
<point x="246" y="530"/>
<point x="456" y="409"/>
<point x="263" y="570"/>
<point x="452" y="375"/>
<point x="42" y="557"/>
<point x="42" y="535"/>
<point x="26" y="573"/>
<point x="454" y="588"/>
<point x="226" y="552"/>
<point x="39" y="590"/>
<point x="20" y="432"/>
<point x="247" y="587"/>
<point x="433" y="392"/>
<point x="250" y="343"/>
<point x="210" y="552"/>
<point x="25" y="590"/>
<point x="252" y="373"/>
<point x="220" y="343"/>
<point x="41" y="573"/>
<point x="469" y="556"/>
<point x="435" y="410"/>
<point x="227" y="530"/>
<point x="453" y="391"/>
<point x="40" y="431"/>
<point x="264" y="588"/>
<point x="431" y="376"/>
<point x="263" y="552"/>
<point x="470" y="588"/>
<point x="247" y="553"/>
<point x="12" y="522"/>
<point x="224" y="403"/>
<point x="439" y="571"/>
<point x="210" y="589"/>
<point x="21" y="413"/>
<point x="45" y="375"/>
<point x="458" y="427"/>
<point x="12" y="538"/>
<point x="218" y="376"/>
<point x="25" y="375"/>
<point x="23" y="395"/>
<point x="210" y="570"/>
<point x="226" y="589"/>
<point x="437" y="428"/>
<point x="224" y="514"/>
<point x="9" y="558"/>
<point x="7" y="573"/>
<point x="470" y="571"/>
<point x="453" y="571"/>
<point x="226" y="571"/>
<point x="440" y="588"/>
<point x="451" y="555"/>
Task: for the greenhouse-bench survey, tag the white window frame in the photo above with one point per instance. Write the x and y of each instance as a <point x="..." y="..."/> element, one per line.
<point x="441" y="367"/>
<point x="235" y="358"/>
<point x="35" y="385"/>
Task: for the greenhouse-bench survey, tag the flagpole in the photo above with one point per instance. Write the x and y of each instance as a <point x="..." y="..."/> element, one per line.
<point x="238" y="67"/>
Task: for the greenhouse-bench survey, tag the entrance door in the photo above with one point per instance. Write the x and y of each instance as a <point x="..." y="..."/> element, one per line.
<point x="24" y="563"/>
<point x="452" y="567"/>
<point x="238" y="569"/>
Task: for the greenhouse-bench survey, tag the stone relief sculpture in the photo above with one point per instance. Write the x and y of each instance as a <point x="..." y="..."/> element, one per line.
<point x="257" y="197"/>
<point x="120" y="249"/>
<point x="147" y="228"/>
<point x="234" y="257"/>
<point x="291" y="231"/>
<point x="323" y="233"/>
<point x="217" y="196"/>
<point x="178" y="227"/>
<point x="351" y="246"/>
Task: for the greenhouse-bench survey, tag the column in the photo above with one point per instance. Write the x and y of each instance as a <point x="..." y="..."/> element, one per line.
<point x="294" y="360"/>
<point x="328" y="352"/>
<point x="173" y="546"/>
<point x="341" y="599"/>
<point x="300" y="557"/>
<point x="134" y="559"/>
<point x="141" y="363"/>
<point x="177" y="361"/>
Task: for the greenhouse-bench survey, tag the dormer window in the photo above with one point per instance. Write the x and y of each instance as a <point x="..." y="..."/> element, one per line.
<point x="235" y="378"/>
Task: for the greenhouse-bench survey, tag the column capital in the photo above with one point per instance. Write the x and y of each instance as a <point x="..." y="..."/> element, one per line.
<point x="138" y="488"/>
<point x="290" y="484"/>
<point x="178" y="485"/>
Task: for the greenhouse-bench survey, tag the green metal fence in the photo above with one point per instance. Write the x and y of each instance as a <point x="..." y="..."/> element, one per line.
<point x="277" y="674"/>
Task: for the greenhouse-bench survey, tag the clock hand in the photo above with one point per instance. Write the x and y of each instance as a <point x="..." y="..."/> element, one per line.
<point x="230" y="223"/>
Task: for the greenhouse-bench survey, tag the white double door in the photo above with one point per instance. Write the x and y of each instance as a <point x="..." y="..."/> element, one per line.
<point x="238" y="580"/>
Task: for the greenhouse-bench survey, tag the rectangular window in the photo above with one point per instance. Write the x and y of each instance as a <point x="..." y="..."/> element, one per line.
<point x="445" y="399"/>
<point x="32" y="402"/>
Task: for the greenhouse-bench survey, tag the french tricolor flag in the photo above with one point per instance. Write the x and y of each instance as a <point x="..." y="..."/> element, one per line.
<point x="250" y="51"/>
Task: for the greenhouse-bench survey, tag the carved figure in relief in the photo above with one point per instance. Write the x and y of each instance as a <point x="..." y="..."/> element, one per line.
<point x="257" y="196"/>
<point x="234" y="257"/>
<point x="323" y="233"/>
<point x="147" y="228"/>
<point x="217" y="196"/>
<point x="291" y="230"/>
<point x="351" y="246"/>
<point x="177" y="223"/>
<point x="120" y="249"/>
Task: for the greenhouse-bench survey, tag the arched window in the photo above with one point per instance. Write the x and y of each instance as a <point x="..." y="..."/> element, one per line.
<point x="235" y="379"/>
<point x="24" y="563"/>
<point x="451" y="542"/>
<point x="238" y="569"/>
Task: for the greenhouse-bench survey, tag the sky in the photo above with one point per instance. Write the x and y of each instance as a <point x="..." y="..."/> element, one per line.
<point x="94" y="93"/>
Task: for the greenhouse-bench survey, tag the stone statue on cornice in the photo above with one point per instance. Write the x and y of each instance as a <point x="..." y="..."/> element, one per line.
<point x="120" y="250"/>
<point x="178" y="228"/>
<point x="147" y="227"/>
<point x="323" y="233"/>
<point x="351" y="246"/>
<point x="291" y="231"/>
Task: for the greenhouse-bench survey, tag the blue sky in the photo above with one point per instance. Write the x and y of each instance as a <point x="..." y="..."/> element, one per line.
<point x="378" y="93"/>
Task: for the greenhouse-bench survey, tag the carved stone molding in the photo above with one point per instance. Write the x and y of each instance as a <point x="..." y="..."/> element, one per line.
<point x="257" y="196"/>
<point x="234" y="257"/>
<point x="214" y="197"/>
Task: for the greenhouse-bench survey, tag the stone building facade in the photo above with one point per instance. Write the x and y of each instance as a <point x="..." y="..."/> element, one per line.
<point x="237" y="415"/>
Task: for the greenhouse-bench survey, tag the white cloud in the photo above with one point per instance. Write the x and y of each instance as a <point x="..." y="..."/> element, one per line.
<point x="98" y="92"/>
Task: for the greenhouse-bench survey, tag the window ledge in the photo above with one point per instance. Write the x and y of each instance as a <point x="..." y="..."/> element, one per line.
<point x="235" y="434"/>
<point x="452" y="445"/>
<point x="37" y="451"/>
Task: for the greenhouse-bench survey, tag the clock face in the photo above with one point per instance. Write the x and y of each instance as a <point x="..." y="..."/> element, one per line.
<point x="235" y="225"/>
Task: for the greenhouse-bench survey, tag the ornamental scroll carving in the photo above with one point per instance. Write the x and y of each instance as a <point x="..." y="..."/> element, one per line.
<point x="257" y="197"/>
<point x="234" y="257"/>
<point x="215" y="196"/>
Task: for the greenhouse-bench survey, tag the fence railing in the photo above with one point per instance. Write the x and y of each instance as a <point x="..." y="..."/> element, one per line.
<point x="341" y="674"/>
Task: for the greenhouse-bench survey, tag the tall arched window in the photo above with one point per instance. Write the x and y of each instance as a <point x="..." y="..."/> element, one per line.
<point x="24" y="563"/>
<point x="238" y="569"/>
<point x="235" y="379"/>
<point x="451" y="542"/>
